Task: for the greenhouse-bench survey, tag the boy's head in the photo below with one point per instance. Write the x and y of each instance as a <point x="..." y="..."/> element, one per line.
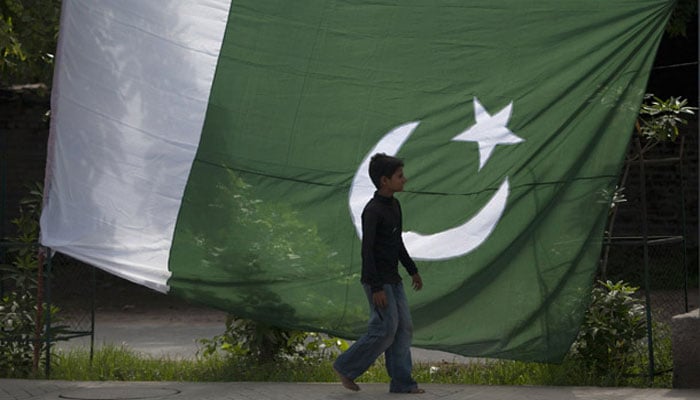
<point x="383" y="165"/>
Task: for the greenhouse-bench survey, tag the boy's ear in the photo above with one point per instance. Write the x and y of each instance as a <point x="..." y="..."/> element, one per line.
<point x="383" y="180"/>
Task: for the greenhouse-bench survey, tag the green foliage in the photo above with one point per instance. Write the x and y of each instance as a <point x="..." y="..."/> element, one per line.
<point x="18" y="310"/>
<point x="612" y="332"/>
<point x="259" y="341"/>
<point x="263" y="344"/>
<point x="27" y="223"/>
<point x="118" y="363"/>
<point x="659" y="119"/>
<point x="20" y="273"/>
<point x="18" y="304"/>
<point x="612" y="197"/>
<point x="28" y="36"/>
<point x="121" y="364"/>
<point x="17" y="324"/>
<point x="683" y="14"/>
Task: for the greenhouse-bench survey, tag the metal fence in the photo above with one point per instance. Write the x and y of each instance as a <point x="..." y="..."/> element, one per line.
<point x="73" y="291"/>
<point x="663" y="287"/>
<point x="647" y="240"/>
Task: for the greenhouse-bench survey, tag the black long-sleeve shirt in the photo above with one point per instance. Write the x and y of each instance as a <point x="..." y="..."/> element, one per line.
<point x="382" y="245"/>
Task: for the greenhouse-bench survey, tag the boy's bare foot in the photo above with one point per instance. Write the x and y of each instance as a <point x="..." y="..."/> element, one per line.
<point x="347" y="382"/>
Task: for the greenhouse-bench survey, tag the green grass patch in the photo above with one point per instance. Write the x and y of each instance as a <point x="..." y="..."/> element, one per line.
<point x="610" y="350"/>
<point x="122" y="364"/>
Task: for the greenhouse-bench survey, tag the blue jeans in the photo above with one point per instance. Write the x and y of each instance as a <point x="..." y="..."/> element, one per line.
<point x="390" y="331"/>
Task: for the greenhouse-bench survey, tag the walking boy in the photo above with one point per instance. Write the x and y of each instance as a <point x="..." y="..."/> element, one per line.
<point x="390" y="328"/>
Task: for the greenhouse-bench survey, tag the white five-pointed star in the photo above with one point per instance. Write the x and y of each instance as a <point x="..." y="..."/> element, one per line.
<point x="489" y="131"/>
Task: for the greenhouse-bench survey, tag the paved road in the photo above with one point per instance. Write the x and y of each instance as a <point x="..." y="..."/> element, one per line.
<point x="175" y="336"/>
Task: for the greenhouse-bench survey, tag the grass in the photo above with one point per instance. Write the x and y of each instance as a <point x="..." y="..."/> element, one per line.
<point x="121" y="364"/>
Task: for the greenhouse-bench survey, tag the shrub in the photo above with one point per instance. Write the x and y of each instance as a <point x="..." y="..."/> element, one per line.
<point x="18" y="307"/>
<point x="18" y="302"/>
<point x="263" y="343"/>
<point x="612" y="332"/>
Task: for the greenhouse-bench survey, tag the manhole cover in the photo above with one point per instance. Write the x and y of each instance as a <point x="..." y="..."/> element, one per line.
<point x="118" y="393"/>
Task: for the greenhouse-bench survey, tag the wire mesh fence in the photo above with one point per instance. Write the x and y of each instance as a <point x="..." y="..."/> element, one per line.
<point x="662" y="283"/>
<point x="72" y="288"/>
<point x="647" y="241"/>
<point x="667" y="274"/>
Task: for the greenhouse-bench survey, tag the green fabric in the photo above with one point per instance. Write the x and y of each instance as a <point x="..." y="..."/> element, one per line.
<point x="304" y="90"/>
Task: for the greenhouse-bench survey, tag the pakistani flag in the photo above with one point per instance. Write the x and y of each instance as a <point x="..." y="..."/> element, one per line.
<point x="218" y="151"/>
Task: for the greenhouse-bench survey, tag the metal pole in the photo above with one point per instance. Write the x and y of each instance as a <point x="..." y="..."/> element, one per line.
<point x="3" y="202"/>
<point x="645" y="239"/>
<point x="92" y="315"/>
<point x="3" y="183"/>
<point x="49" y="273"/>
<point x="684" y="243"/>
<point x="39" y="312"/>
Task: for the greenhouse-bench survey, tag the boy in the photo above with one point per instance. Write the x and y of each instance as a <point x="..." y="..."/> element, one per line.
<point x="390" y="328"/>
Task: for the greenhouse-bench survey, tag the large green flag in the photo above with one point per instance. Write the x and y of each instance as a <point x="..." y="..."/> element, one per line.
<point x="512" y="118"/>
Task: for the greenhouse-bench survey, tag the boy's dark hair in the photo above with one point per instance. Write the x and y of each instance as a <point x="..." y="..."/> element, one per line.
<point x="383" y="165"/>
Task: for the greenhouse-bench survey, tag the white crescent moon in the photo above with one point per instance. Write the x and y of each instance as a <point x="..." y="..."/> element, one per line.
<point x="450" y="243"/>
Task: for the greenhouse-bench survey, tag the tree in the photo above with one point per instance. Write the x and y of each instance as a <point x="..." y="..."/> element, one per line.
<point x="28" y="36"/>
<point x="685" y="12"/>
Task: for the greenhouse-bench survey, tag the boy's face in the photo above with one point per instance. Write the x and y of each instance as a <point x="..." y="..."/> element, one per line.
<point x="396" y="182"/>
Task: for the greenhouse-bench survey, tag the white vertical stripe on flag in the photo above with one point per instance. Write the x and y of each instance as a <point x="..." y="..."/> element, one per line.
<point x="130" y="93"/>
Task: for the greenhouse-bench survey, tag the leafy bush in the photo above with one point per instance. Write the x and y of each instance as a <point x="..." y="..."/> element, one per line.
<point x="18" y="303"/>
<point x="659" y="119"/>
<point x="18" y="306"/>
<point x="264" y="344"/>
<point x="28" y="34"/>
<point x="17" y="324"/>
<point x="612" y="332"/>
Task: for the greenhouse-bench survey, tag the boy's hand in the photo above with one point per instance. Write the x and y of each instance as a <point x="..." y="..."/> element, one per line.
<point x="379" y="299"/>
<point x="417" y="281"/>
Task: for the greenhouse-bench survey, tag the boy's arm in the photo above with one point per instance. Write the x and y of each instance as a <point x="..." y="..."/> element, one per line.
<point x="369" y="266"/>
<point x="406" y="260"/>
<point x="404" y="257"/>
<point x="410" y="266"/>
